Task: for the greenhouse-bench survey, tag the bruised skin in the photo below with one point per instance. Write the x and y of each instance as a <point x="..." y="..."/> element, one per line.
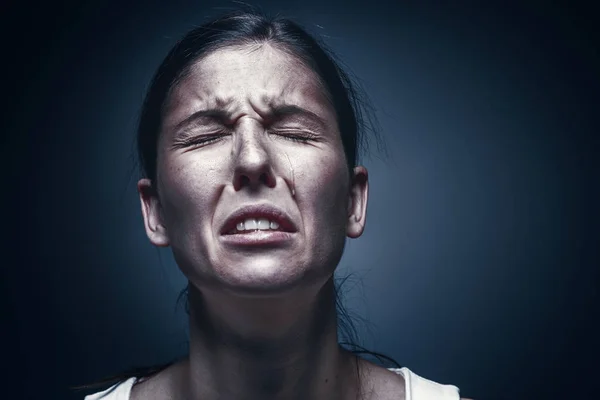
<point x="270" y="297"/>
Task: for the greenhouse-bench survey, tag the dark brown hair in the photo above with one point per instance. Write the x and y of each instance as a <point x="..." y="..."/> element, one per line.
<point x="354" y="116"/>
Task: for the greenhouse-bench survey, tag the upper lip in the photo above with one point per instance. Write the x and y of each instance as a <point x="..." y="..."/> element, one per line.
<point x="257" y="211"/>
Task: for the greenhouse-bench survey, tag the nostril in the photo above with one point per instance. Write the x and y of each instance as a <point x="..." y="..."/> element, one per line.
<point x="254" y="178"/>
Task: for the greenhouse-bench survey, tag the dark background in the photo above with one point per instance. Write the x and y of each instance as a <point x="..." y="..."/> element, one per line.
<point x="479" y="265"/>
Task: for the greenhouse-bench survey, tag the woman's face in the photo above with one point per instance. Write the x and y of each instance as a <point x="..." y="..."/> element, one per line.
<point x="243" y="131"/>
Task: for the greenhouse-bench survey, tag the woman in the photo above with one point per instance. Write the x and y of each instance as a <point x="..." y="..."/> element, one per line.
<point x="248" y="140"/>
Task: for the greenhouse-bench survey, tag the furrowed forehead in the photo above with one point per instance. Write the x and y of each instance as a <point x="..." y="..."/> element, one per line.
<point x="232" y="78"/>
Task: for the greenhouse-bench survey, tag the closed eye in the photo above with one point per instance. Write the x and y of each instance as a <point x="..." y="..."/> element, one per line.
<point x="296" y="136"/>
<point x="199" y="140"/>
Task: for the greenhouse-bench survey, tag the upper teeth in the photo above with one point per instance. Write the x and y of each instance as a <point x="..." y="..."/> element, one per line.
<point x="253" y="224"/>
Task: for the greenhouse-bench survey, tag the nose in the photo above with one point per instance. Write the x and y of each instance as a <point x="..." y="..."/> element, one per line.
<point x="253" y="167"/>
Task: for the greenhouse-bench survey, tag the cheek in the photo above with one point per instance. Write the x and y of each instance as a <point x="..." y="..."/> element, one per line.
<point x="188" y="191"/>
<point x="325" y="202"/>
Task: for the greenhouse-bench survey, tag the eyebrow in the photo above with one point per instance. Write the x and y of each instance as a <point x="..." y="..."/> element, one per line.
<point x="290" y="110"/>
<point x="216" y="114"/>
<point x="275" y="112"/>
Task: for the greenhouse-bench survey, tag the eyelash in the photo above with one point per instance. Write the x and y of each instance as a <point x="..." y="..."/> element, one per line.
<point x="199" y="140"/>
<point x="206" y="140"/>
<point x="302" y="138"/>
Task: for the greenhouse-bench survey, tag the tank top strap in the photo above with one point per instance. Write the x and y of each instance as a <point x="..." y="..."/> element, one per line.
<point x="119" y="391"/>
<point x="419" y="388"/>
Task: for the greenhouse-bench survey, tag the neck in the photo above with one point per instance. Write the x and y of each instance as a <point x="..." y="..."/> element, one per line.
<point x="275" y="348"/>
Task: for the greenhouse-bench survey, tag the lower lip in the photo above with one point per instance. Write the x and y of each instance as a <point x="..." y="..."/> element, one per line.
<point x="258" y="238"/>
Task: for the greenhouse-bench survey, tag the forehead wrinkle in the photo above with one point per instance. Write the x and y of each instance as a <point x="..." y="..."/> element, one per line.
<point x="295" y="91"/>
<point x="208" y="85"/>
<point x="189" y="99"/>
<point x="266" y="101"/>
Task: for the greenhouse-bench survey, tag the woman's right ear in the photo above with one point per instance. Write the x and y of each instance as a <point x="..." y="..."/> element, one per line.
<point x="151" y="211"/>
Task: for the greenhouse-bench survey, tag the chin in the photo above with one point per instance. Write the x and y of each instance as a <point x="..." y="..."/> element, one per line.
<point x="263" y="277"/>
<point x="263" y="280"/>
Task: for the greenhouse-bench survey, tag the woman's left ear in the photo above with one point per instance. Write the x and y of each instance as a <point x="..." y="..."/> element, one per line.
<point x="357" y="203"/>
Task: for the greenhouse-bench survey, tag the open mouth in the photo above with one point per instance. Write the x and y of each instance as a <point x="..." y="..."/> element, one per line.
<point x="259" y="217"/>
<point x="258" y="225"/>
<point x="254" y="225"/>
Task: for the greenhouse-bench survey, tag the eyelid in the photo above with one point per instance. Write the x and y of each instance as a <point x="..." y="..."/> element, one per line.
<point x="190" y="140"/>
<point x="296" y="135"/>
<point x="301" y="130"/>
<point x="204" y="124"/>
<point x="198" y="129"/>
<point x="296" y="124"/>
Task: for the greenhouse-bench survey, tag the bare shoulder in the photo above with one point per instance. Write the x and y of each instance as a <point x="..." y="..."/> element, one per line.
<point x="151" y="389"/>
<point x="158" y="387"/>
<point x="381" y="383"/>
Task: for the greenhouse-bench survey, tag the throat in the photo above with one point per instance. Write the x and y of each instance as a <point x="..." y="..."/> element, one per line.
<point x="231" y="357"/>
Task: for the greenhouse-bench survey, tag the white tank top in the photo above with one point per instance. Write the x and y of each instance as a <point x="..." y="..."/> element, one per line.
<point x="417" y="388"/>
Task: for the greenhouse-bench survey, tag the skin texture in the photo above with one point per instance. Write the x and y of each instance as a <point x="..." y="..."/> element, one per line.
<point x="263" y="322"/>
